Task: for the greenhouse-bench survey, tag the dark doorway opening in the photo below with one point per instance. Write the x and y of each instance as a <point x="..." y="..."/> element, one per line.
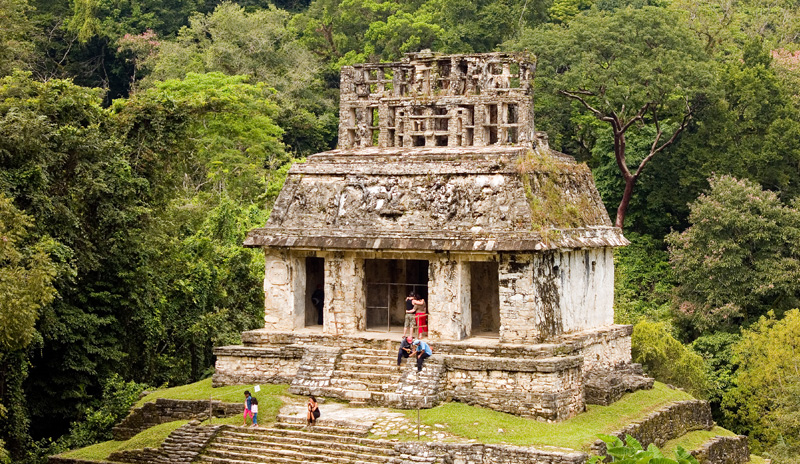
<point x="485" y="298"/>
<point x="315" y="295"/>
<point x="388" y="282"/>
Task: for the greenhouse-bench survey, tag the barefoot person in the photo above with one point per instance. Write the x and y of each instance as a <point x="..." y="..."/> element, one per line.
<point x="313" y="411"/>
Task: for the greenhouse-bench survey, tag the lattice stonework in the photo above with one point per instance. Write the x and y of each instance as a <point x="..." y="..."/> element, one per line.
<point x="438" y="101"/>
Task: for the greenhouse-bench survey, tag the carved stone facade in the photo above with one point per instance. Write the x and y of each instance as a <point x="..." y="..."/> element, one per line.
<point x="440" y="186"/>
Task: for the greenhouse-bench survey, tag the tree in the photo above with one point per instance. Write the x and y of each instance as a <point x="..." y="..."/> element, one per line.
<point x="232" y="41"/>
<point x="765" y="402"/>
<point x="667" y="359"/>
<point x="26" y="285"/>
<point x="739" y="258"/>
<point x="16" y="47"/>
<point x="629" y="68"/>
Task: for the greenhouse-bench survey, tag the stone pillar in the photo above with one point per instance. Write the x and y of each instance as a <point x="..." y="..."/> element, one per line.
<point x="280" y="292"/>
<point x="449" y="298"/>
<point x="345" y="299"/>
<point x="530" y="297"/>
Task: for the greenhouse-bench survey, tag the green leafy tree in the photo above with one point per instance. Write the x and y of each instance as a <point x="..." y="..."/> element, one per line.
<point x="764" y="402"/>
<point x="738" y="259"/>
<point x="230" y="40"/>
<point x="667" y="359"/>
<point x="261" y="45"/>
<point x="26" y="285"/>
<point x="16" y="46"/>
<point x="643" y="280"/>
<point x="630" y="68"/>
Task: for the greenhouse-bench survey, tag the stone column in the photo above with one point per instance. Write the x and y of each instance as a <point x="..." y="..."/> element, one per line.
<point x="280" y="280"/>
<point x="530" y="297"/>
<point x="345" y="298"/>
<point x="449" y="298"/>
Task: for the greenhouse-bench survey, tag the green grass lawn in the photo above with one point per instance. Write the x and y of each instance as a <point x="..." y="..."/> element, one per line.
<point x="693" y="440"/>
<point x="577" y="433"/>
<point x="202" y="390"/>
<point x="150" y="438"/>
<point x="269" y="403"/>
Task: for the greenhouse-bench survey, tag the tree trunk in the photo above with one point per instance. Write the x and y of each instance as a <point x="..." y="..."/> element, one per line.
<point x="626" y="198"/>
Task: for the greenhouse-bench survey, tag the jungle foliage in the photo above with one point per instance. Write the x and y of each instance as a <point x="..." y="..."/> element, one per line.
<point x="140" y="140"/>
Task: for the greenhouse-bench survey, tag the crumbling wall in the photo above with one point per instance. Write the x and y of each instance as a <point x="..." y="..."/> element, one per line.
<point x="547" y="388"/>
<point x="547" y="294"/>
<point x="530" y="299"/>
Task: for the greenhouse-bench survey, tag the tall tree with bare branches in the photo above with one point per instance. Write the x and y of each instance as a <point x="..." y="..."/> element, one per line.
<point x="629" y="68"/>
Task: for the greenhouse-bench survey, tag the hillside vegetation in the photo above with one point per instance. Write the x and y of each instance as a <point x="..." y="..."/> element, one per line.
<point x="139" y="141"/>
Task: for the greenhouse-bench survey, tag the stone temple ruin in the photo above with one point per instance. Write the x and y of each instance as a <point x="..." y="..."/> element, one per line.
<point x="440" y="185"/>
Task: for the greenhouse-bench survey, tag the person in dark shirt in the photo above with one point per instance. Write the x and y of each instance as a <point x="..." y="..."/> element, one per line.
<point x="405" y="350"/>
<point x="410" y="320"/>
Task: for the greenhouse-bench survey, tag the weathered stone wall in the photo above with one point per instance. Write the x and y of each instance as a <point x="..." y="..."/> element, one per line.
<point x="602" y="350"/>
<point x="168" y="410"/>
<point x="486" y="454"/>
<point x="544" y="295"/>
<point x="238" y="365"/>
<point x="671" y="421"/>
<point x="547" y="388"/>
<point x="315" y="371"/>
<point x="424" y="389"/>
<point x="183" y="445"/>
<point x="724" y="450"/>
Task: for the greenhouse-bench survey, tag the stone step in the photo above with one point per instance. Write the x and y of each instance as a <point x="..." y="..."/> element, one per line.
<point x="325" y="425"/>
<point x="279" y="440"/>
<point x="390" y="376"/>
<point x="307" y="455"/>
<point x="313" y="448"/>
<point x="247" y="459"/>
<point x="366" y="367"/>
<point x="349" y="384"/>
<point x="373" y="352"/>
<point x="310" y="433"/>
<point x="384" y="360"/>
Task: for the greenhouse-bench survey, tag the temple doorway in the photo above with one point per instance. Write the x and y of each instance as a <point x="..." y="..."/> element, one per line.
<point x="315" y="296"/>
<point x="388" y="282"/>
<point x="485" y="298"/>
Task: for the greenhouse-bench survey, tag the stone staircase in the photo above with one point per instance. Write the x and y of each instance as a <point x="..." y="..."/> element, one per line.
<point x="364" y="376"/>
<point x="285" y="444"/>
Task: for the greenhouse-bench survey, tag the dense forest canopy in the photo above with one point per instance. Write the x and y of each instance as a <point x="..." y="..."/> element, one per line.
<point x="140" y="140"/>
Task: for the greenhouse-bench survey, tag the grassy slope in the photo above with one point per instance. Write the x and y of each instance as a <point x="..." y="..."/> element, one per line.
<point x="269" y="402"/>
<point x="151" y="438"/>
<point x="202" y="390"/>
<point x="577" y="433"/>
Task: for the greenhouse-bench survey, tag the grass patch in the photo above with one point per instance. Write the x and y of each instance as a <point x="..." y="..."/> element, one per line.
<point x="203" y="390"/>
<point x="757" y="459"/>
<point x="693" y="440"/>
<point x="150" y="438"/>
<point x="577" y="433"/>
